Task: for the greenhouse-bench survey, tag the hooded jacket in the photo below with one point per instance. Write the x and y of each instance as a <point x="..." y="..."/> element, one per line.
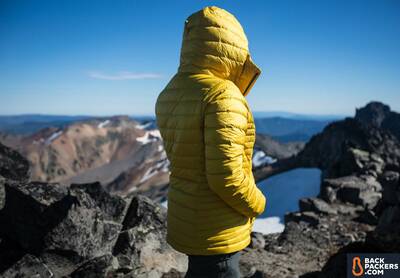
<point x="208" y="133"/>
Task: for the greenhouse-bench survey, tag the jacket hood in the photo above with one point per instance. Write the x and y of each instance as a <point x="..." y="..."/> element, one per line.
<point x="214" y="43"/>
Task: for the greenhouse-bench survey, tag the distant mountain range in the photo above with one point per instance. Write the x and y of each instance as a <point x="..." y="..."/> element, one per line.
<point x="282" y="126"/>
<point x="119" y="152"/>
<point x="296" y="116"/>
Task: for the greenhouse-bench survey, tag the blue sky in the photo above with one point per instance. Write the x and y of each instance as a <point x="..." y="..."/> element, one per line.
<point x="114" y="57"/>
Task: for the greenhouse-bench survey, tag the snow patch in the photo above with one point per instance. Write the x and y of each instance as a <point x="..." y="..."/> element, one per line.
<point x="149" y="136"/>
<point x="268" y="225"/>
<point x="53" y="137"/>
<point x="144" y="126"/>
<point x="103" y="124"/>
<point x="260" y="158"/>
<point x="160" y="166"/>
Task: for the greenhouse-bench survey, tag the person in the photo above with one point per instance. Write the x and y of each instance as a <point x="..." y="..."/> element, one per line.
<point x="208" y="134"/>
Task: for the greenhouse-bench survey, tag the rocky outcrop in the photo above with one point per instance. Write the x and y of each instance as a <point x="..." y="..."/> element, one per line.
<point x="53" y="230"/>
<point x="277" y="149"/>
<point x="80" y="230"/>
<point x="357" y="209"/>
<point x="13" y="165"/>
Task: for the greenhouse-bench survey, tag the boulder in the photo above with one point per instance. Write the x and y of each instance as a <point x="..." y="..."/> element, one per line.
<point x="142" y="245"/>
<point x="39" y="215"/>
<point x="102" y="266"/>
<point x="13" y="165"/>
<point x="2" y="193"/>
<point x="28" y="266"/>
<point x="309" y="217"/>
<point x="363" y="190"/>
<point x="31" y="210"/>
<point x="390" y="181"/>
<point x="257" y="241"/>
<point x="317" y="205"/>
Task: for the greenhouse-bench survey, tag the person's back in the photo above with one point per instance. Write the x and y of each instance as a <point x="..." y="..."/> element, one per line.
<point x="209" y="133"/>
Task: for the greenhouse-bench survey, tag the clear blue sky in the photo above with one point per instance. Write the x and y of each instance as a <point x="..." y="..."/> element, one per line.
<point x="114" y="57"/>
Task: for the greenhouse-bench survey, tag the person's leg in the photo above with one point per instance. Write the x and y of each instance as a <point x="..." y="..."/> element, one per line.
<point x="213" y="266"/>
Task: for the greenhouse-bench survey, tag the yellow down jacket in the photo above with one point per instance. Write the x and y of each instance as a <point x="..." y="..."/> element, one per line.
<point x="208" y="133"/>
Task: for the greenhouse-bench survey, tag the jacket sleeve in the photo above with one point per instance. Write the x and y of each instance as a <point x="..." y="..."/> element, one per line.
<point x="225" y="124"/>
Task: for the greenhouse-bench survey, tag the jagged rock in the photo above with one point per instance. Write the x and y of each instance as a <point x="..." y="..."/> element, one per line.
<point x="306" y="216"/>
<point x="113" y="206"/>
<point x="31" y="210"/>
<point x="59" y="264"/>
<point x="13" y="165"/>
<point x="359" y="161"/>
<point x="142" y="244"/>
<point x="341" y="149"/>
<point x="257" y="241"/>
<point x="39" y="215"/>
<point x="374" y="113"/>
<point x="90" y="234"/>
<point x="316" y="205"/>
<point x="391" y="187"/>
<point x="10" y="253"/>
<point x="365" y="190"/>
<point x="101" y="266"/>
<point x="2" y="193"/>
<point x="28" y="266"/>
<point x="369" y="217"/>
<point x="379" y="115"/>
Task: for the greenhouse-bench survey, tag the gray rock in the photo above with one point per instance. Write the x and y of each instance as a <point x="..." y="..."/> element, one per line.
<point x="391" y="187"/>
<point x="102" y="266"/>
<point x="13" y="165"/>
<point x="306" y="216"/>
<point x="363" y="190"/>
<point x="40" y="215"/>
<point x="327" y="193"/>
<point x="316" y="205"/>
<point x="142" y="244"/>
<point x="31" y="210"/>
<point x="89" y="233"/>
<point x="257" y="241"/>
<point x="2" y="193"/>
<point x="28" y="266"/>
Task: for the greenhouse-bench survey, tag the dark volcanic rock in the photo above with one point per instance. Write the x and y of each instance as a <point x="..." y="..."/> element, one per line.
<point x="98" y="267"/>
<point x="317" y="205"/>
<point x="141" y="246"/>
<point x="2" y="193"/>
<point x="39" y="215"/>
<point x="379" y="115"/>
<point x="89" y="231"/>
<point x="347" y="147"/>
<point x="363" y="190"/>
<point x="374" y="113"/>
<point x="31" y="210"/>
<point x="13" y="165"/>
<point x="28" y="266"/>
<point x="257" y="240"/>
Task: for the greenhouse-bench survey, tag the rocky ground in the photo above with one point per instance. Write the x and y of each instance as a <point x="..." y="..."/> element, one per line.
<point x="357" y="209"/>
<point x="51" y="230"/>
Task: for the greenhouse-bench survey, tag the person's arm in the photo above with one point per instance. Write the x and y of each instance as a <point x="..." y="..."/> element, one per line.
<point x="225" y="125"/>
